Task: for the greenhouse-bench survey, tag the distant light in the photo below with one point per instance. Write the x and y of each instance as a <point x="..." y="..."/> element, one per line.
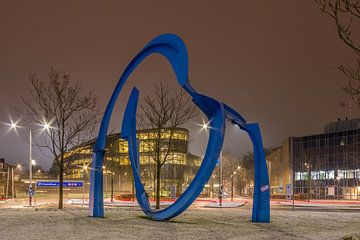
<point x="33" y="162"/>
<point x="46" y="126"/>
<point x="18" y="165"/>
<point x="85" y="167"/>
<point x="13" y="125"/>
<point x="205" y="126"/>
<point x="39" y="171"/>
<point x="239" y="167"/>
<point x="234" y="172"/>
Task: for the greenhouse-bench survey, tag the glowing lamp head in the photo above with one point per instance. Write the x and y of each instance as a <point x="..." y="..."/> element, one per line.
<point x="46" y="126"/>
<point x="205" y="126"/>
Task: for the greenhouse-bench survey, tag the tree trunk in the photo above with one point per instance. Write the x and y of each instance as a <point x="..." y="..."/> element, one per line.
<point x="154" y="183"/>
<point x="61" y="187"/>
<point x="158" y="171"/>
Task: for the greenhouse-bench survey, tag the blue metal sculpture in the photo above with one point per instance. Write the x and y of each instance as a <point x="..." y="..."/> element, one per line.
<point x="174" y="50"/>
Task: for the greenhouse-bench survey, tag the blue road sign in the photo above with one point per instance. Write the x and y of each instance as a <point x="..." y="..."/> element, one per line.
<point x="57" y="184"/>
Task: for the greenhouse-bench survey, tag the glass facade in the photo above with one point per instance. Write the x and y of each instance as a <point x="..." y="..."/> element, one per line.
<point x="327" y="165"/>
<point x="178" y="170"/>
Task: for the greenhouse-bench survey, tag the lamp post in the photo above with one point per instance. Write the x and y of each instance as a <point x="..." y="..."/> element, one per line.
<point x="84" y="170"/>
<point x="205" y="126"/>
<point x="232" y="186"/>
<point x="308" y="166"/>
<point x="241" y="185"/>
<point x="337" y="186"/>
<point x="30" y="168"/>
<point x="112" y="186"/>
<point x="19" y="167"/>
<point x="221" y="187"/>
<point x="14" y="126"/>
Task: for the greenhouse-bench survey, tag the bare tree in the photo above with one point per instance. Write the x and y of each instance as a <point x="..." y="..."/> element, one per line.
<point x="343" y="13"/>
<point x="163" y="112"/>
<point x="70" y="113"/>
<point x="229" y="164"/>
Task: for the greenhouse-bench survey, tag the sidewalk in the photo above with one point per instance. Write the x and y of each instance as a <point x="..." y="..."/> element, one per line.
<point x="133" y="203"/>
<point x="318" y="203"/>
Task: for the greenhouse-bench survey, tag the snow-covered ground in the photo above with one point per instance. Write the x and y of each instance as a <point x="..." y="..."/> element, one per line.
<point x="195" y="223"/>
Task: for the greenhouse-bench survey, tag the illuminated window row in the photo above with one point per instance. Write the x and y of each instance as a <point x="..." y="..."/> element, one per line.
<point x="83" y="150"/>
<point x="181" y="135"/>
<point x="322" y="175"/>
<point x="315" y="175"/>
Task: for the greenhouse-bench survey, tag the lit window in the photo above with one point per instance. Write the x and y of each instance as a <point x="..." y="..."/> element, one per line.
<point x="322" y="175"/>
<point x="330" y="174"/>
<point x="341" y="173"/>
<point x="350" y="173"/>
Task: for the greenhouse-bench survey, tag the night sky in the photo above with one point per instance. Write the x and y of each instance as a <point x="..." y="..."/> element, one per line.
<point x="274" y="61"/>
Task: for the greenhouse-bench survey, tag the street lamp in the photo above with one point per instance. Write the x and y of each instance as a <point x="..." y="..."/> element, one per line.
<point x="232" y="185"/>
<point x="14" y="126"/>
<point x="84" y="171"/>
<point x="18" y="166"/>
<point x="112" y="186"/>
<point x="308" y="166"/>
<point x="337" y="186"/>
<point x="205" y="126"/>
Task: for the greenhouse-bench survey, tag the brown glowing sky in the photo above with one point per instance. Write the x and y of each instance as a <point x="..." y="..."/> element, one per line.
<point x="274" y="61"/>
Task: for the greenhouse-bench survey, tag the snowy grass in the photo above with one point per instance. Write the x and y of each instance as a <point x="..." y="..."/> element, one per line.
<point x="195" y="223"/>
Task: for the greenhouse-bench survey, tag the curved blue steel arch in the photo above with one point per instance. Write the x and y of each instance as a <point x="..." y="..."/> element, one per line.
<point x="214" y="111"/>
<point x="173" y="48"/>
<point x="261" y="197"/>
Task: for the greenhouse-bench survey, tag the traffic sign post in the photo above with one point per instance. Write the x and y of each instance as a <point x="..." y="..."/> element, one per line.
<point x="289" y="191"/>
<point x="31" y="194"/>
<point x="290" y="194"/>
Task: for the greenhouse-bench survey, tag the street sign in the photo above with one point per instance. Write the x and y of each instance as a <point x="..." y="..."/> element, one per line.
<point x="288" y="191"/>
<point x="264" y="188"/>
<point x="57" y="184"/>
<point x="31" y="192"/>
